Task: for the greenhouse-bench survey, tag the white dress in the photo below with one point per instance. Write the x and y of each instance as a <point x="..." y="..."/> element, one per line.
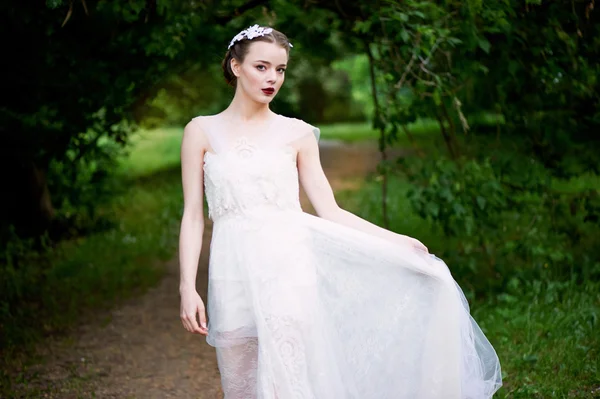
<point x="301" y="307"/>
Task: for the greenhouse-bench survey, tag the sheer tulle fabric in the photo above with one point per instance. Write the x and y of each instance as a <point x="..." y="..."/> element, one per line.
<point x="300" y="307"/>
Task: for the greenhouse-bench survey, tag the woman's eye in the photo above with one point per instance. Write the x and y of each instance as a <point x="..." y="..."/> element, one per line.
<point x="281" y="70"/>
<point x="260" y="67"/>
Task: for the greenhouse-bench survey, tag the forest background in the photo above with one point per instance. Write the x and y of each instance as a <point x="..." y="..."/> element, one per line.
<point x="494" y="104"/>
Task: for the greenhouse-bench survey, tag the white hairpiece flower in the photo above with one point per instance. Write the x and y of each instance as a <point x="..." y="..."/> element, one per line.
<point x="251" y="33"/>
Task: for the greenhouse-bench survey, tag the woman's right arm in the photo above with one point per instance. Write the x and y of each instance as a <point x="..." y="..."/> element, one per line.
<point x="193" y="146"/>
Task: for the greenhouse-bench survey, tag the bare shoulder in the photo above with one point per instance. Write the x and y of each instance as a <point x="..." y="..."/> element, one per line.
<point x="296" y="124"/>
<point x="194" y="133"/>
<point x="301" y="133"/>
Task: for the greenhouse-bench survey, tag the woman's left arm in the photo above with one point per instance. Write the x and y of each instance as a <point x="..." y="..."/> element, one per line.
<point x="321" y="195"/>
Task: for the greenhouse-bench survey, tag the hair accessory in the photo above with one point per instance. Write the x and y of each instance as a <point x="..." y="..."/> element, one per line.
<point x="251" y="33"/>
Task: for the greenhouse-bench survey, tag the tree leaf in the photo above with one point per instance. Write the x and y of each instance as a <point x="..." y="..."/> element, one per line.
<point x="484" y="44"/>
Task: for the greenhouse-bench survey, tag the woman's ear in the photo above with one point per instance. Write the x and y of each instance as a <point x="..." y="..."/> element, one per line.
<point x="235" y="67"/>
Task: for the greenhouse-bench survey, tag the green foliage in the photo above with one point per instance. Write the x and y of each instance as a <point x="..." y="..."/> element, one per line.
<point x="45" y="289"/>
<point x="499" y="216"/>
<point x="84" y="179"/>
<point x="543" y="76"/>
<point x="200" y="90"/>
<point x="533" y="62"/>
<point x="501" y="221"/>
<point x="88" y="67"/>
<point x="109" y="65"/>
<point x="459" y="197"/>
<point x="409" y="43"/>
<point x="356" y="68"/>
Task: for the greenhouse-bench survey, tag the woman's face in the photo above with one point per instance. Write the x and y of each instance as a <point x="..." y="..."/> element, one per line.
<point x="263" y="71"/>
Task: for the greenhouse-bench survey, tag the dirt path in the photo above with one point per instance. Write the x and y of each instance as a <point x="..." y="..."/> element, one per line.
<point x="142" y="351"/>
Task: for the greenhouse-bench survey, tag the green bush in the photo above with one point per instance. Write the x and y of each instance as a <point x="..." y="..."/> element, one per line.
<point x="506" y="224"/>
<point x="46" y="288"/>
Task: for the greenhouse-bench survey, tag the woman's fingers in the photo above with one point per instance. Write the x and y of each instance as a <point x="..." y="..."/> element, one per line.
<point x="202" y="315"/>
<point x="191" y="324"/>
<point x="194" y="322"/>
<point x="190" y="321"/>
<point x="192" y="309"/>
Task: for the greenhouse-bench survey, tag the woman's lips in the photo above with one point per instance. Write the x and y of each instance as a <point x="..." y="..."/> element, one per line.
<point x="268" y="92"/>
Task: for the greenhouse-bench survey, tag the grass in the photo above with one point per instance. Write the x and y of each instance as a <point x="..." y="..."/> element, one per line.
<point x="547" y="337"/>
<point x="353" y="132"/>
<point x="151" y="151"/>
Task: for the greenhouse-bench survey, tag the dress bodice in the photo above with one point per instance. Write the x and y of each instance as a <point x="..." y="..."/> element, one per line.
<point x="245" y="173"/>
<point x="246" y="178"/>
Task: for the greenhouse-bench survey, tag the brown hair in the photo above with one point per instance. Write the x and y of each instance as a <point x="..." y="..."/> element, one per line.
<point x="240" y="49"/>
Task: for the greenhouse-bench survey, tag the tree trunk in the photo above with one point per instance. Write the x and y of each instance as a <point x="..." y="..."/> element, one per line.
<point x="446" y="135"/>
<point x="26" y="203"/>
<point x="452" y="130"/>
<point x="382" y="144"/>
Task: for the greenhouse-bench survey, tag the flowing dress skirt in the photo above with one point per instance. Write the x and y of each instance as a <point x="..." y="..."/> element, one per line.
<point x="301" y="307"/>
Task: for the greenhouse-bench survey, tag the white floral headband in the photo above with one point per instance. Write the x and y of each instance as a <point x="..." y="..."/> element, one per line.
<point x="251" y="33"/>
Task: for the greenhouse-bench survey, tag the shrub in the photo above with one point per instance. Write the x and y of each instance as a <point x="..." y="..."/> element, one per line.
<point x="506" y="225"/>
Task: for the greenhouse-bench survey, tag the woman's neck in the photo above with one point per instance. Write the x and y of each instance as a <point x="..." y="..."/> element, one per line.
<point x="246" y="110"/>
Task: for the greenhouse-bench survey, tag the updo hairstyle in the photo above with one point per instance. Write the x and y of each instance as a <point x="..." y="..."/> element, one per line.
<point x="240" y="49"/>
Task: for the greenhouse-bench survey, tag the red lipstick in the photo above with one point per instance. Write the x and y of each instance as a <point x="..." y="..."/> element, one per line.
<point x="268" y="91"/>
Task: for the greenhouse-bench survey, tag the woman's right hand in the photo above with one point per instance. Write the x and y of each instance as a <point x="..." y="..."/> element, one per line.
<point x="192" y="305"/>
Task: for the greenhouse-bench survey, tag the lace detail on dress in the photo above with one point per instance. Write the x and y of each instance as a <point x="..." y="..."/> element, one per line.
<point x="244" y="148"/>
<point x="239" y="379"/>
<point x="247" y="177"/>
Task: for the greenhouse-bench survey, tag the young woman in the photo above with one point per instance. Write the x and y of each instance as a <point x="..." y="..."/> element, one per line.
<point x="300" y="306"/>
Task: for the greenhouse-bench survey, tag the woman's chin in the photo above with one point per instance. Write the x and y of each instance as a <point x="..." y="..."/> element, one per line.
<point x="264" y="100"/>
